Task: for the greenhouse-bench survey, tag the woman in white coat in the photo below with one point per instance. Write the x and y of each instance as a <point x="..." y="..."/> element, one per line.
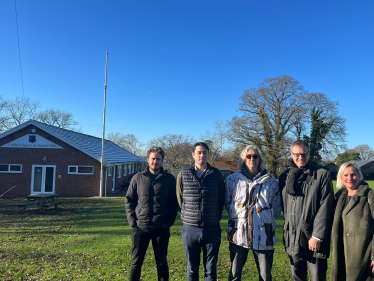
<point x="253" y="202"/>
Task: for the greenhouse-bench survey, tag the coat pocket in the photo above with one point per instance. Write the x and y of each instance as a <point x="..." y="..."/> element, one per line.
<point x="286" y="235"/>
<point x="304" y="240"/>
<point x="269" y="234"/>
<point x="305" y="236"/>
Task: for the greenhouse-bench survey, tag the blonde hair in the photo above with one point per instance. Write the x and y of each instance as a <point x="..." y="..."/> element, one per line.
<point x="339" y="182"/>
<point x="243" y="154"/>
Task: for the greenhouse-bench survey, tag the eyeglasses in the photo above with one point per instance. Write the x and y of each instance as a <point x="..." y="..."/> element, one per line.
<point x="249" y="156"/>
<point x="298" y="155"/>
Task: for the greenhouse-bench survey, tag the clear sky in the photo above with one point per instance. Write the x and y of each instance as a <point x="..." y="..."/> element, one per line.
<point x="176" y="66"/>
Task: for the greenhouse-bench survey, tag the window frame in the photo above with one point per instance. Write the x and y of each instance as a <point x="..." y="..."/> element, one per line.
<point x="125" y="169"/>
<point x="77" y="173"/>
<point x="119" y="171"/>
<point x="12" y="172"/>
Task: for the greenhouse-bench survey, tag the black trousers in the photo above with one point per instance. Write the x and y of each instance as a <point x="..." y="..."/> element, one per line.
<point x="140" y="242"/>
<point x="318" y="268"/>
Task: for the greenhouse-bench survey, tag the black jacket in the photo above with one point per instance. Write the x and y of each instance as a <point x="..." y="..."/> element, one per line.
<point x="150" y="205"/>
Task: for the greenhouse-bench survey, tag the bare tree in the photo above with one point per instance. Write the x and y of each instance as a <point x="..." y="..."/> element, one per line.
<point x="3" y="117"/>
<point x="232" y="152"/>
<point x="128" y="142"/>
<point x="22" y="109"/>
<point x="365" y="151"/>
<point x="280" y="110"/>
<point x="178" y="149"/>
<point x="215" y="139"/>
<point x="269" y="113"/>
<point x="19" y="111"/>
<point x="57" y="117"/>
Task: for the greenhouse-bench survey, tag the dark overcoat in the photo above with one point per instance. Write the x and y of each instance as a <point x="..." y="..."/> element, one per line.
<point x="352" y="236"/>
<point x="308" y="213"/>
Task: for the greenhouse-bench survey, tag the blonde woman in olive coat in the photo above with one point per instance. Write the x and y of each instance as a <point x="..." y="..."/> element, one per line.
<point x="353" y="227"/>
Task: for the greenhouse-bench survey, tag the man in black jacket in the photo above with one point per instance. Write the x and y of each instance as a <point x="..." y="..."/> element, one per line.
<point x="201" y="196"/>
<point x="151" y="208"/>
<point x="308" y="202"/>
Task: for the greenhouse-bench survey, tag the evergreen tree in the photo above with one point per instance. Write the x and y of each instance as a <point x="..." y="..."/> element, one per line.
<point x="318" y="132"/>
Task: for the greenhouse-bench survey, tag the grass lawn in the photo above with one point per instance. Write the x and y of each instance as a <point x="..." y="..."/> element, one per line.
<point x="89" y="238"/>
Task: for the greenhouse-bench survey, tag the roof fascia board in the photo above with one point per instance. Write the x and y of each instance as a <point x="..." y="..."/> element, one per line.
<point x="15" y="129"/>
<point x="121" y="163"/>
<point x="31" y="122"/>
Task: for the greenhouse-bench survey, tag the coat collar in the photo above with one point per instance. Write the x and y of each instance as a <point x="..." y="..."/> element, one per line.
<point x="208" y="168"/>
<point x="263" y="178"/>
<point x="362" y="191"/>
<point x="146" y="171"/>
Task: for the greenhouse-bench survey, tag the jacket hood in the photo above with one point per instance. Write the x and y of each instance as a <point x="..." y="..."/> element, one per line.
<point x="263" y="178"/>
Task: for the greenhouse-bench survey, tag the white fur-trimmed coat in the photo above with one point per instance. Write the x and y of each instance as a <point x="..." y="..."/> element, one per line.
<point x="268" y="205"/>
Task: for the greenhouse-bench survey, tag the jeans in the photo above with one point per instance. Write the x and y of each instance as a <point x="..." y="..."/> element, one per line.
<point x="209" y="239"/>
<point x="238" y="258"/>
<point x="160" y="242"/>
<point x="318" y="268"/>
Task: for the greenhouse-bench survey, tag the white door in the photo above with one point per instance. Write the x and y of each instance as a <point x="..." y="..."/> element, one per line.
<point x="43" y="179"/>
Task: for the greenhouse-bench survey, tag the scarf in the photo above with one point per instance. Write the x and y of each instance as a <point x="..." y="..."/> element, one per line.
<point x="296" y="177"/>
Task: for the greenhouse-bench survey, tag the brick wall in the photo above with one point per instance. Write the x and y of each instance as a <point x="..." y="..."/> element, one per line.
<point x="66" y="185"/>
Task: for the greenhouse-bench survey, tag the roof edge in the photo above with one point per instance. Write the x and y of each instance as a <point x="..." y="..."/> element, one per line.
<point x="37" y="124"/>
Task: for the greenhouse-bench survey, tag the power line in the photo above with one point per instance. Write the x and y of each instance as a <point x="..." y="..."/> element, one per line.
<point x="19" y="50"/>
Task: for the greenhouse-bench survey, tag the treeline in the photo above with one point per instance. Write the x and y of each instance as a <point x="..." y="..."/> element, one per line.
<point x="271" y="116"/>
<point x="21" y="109"/>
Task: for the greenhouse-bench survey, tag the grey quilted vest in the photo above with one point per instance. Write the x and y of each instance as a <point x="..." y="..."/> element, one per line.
<point x="200" y="205"/>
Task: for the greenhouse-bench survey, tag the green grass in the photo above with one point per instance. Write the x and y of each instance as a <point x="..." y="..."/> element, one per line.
<point x="90" y="239"/>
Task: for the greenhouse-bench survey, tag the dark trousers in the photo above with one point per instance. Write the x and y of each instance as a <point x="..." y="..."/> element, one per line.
<point x="140" y="241"/>
<point x="238" y="258"/>
<point x="318" y="268"/>
<point x="194" y="239"/>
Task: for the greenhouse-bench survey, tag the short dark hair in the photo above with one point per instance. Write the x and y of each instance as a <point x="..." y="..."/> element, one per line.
<point x="200" y="143"/>
<point x="157" y="150"/>
<point x="300" y="143"/>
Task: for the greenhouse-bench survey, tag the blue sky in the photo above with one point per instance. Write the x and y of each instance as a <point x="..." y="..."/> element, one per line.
<point x="176" y="66"/>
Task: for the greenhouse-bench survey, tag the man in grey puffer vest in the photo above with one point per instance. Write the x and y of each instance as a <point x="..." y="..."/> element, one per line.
<point x="201" y="197"/>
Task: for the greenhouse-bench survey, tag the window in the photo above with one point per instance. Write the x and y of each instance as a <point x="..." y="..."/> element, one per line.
<point x="125" y="170"/>
<point x="119" y="171"/>
<point x="10" y="168"/>
<point x="82" y="170"/>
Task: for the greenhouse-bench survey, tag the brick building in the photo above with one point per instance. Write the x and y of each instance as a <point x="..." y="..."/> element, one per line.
<point x="40" y="158"/>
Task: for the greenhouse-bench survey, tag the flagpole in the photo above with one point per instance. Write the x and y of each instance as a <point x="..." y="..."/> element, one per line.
<point x="102" y="139"/>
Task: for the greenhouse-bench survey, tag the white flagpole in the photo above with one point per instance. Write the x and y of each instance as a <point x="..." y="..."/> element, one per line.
<point x="102" y="139"/>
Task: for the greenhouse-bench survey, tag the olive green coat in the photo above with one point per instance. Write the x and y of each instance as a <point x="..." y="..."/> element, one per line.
<point x="352" y="236"/>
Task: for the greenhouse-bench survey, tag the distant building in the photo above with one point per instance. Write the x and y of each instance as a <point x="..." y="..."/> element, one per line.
<point x="225" y="166"/>
<point x="40" y="158"/>
<point x="333" y="168"/>
<point x="366" y="167"/>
